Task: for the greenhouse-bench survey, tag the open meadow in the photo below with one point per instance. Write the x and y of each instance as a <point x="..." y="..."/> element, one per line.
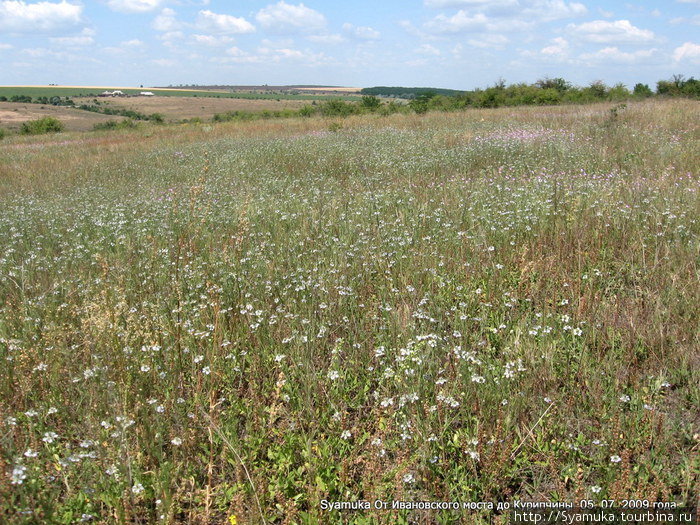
<point x="231" y="323"/>
<point x="179" y="108"/>
<point x="86" y="110"/>
<point x="14" y="114"/>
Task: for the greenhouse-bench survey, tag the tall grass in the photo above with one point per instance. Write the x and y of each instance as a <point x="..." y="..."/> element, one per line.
<point x="236" y="322"/>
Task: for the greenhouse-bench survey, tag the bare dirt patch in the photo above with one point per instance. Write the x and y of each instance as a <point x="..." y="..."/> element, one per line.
<point x="13" y="114"/>
<point x="177" y="108"/>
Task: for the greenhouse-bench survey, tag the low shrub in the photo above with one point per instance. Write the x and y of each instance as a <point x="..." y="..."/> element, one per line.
<point x="42" y="125"/>
<point x="115" y="124"/>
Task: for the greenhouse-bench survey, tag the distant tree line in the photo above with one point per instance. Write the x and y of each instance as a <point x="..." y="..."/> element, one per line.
<point x="546" y="91"/>
<point x="53" y="101"/>
<point x="408" y="92"/>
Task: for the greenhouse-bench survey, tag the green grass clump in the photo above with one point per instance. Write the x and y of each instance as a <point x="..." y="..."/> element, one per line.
<point x="115" y="124"/>
<point x="41" y="126"/>
<point x="245" y="319"/>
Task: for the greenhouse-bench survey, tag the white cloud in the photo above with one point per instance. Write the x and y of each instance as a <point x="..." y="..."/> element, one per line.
<point x="688" y="51"/>
<point x="236" y="56"/>
<point x="171" y="36"/>
<point x="466" y="3"/>
<point x="603" y="32"/>
<point x="5" y="46"/>
<point x="689" y="1"/>
<point x="124" y="48"/>
<point x="463" y="22"/>
<point x="361" y="32"/>
<point x="266" y="55"/>
<point x="236" y="52"/>
<point x="287" y="18"/>
<point x="548" y="10"/>
<point x="164" y="62"/>
<point x="412" y="30"/>
<point x="487" y="41"/>
<point x="41" y="17"/>
<point x="695" y="20"/>
<point x="613" y="54"/>
<point x="213" y="41"/>
<point x="291" y="53"/>
<point x="427" y="49"/>
<point x="134" y="6"/>
<point x="216" y="23"/>
<point x="330" y="39"/>
<point x="542" y="10"/>
<point x="418" y="62"/>
<point x="85" y="38"/>
<point x="166" y="21"/>
<point x="44" y="53"/>
<point x="559" y="48"/>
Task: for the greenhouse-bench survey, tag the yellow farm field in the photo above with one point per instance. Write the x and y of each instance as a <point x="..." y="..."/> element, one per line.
<point x="330" y="90"/>
<point x="176" y="108"/>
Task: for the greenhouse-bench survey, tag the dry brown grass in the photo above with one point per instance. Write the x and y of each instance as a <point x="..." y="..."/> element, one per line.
<point x="178" y="108"/>
<point x="13" y="114"/>
<point x="162" y="235"/>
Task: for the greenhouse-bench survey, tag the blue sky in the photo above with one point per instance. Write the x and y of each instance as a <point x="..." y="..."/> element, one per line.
<point x="459" y="44"/>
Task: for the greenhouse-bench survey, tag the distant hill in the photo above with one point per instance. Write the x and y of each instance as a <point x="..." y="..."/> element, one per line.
<point x="408" y="92"/>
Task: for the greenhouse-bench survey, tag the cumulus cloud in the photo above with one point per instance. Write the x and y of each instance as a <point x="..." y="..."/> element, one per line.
<point x="427" y="49"/>
<point x="467" y="3"/>
<point x="462" y="22"/>
<point x="172" y="36"/>
<point x="548" y="10"/>
<point x="559" y="48"/>
<point x="543" y="10"/>
<point x="488" y="41"/>
<point x="361" y="32"/>
<point x="164" y="62"/>
<point x="166" y="21"/>
<point x="688" y="51"/>
<point x="613" y="54"/>
<point x="85" y="38"/>
<point x="19" y="17"/>
<point x="209" y="22"/>
<point x="695" y="20"/>
<point x="499" y="16"/>
<point x="134" y="6"/>
<point x="266" y="55"/>
<point x="412" y="30"/>
<point x="331" y="39"/>
<point x="236" y="52"/>
<point x="604" y="32"/>
<point x="211" y="40"/>
<point x="288" y="18"/>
